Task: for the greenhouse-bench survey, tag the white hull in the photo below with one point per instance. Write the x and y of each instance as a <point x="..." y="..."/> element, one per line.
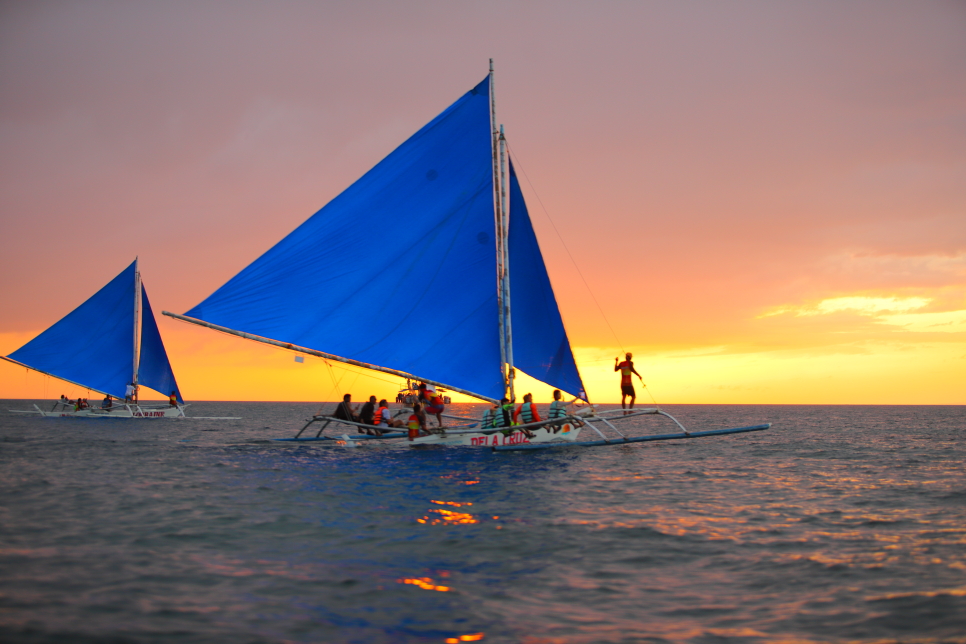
<point x="567" y="433"/>
<point x="117" y="411"/>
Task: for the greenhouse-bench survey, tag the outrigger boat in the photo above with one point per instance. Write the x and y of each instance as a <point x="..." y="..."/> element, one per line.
<point x="450" y="201"/>
<point x="107" y="343"/>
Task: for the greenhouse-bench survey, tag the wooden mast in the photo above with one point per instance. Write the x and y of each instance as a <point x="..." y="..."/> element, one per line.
<point x="137" y="325"/>
<point x="508" y="314"/>
<point x="499" y="216"/>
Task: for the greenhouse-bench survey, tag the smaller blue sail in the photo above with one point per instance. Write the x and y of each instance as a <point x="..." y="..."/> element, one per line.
<point x="154" y="370"/>
<point x="93" y="345"/>
<point x="541" y="348"/>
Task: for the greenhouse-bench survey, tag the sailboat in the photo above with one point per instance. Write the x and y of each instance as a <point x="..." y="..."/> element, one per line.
<point x="449" y="199"/>
<point x="110" y="344"/>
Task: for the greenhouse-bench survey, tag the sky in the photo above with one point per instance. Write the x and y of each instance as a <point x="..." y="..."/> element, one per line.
<point x="764" y="202"/>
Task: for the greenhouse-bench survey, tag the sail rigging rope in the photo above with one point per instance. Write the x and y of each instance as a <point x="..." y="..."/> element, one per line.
<point x="573" y="261"/>
<point x="566" y="248"/>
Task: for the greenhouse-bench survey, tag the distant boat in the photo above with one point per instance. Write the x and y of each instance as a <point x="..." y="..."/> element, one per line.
<point x="107" y="343"/>
<point x="407" y="272"/>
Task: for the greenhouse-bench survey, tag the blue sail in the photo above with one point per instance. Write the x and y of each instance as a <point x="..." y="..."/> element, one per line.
<point x="540" y="345"/>
<point x="93" y="345"/>
<point x="399" y="270"/>
<point x="154" y="368"/>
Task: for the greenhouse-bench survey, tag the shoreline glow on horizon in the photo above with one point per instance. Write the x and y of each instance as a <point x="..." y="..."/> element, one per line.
<point x="768" y="202"/>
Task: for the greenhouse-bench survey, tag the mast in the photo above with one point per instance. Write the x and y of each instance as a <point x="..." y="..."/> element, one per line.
<point x="499" y="196"/>
<point x="507" y="315"/>
<point x="137" y="325"/>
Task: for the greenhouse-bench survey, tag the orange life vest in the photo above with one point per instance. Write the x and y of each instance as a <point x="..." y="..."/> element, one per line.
<point x="413" y="426"/>
<point x="377" y="417"/>
<point x="626" y="371"/>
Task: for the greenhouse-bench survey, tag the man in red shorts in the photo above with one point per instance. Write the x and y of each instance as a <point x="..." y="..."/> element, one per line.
<point x="432" y="402"/>
<point x="627" y="385"/>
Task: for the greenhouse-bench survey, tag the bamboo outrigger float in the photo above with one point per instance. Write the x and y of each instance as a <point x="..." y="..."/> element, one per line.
<point x="451" y="196"/>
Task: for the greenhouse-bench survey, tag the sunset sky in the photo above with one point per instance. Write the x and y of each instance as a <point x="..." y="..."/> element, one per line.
<point x="766" y="200"/>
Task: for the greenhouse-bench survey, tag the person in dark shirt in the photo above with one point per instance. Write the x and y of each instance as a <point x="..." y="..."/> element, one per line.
<point x="366" y="413"/>
<point x="344" y="410"/>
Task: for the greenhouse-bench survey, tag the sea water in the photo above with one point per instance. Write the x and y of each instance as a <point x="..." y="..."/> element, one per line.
<point x="839" y="524"/>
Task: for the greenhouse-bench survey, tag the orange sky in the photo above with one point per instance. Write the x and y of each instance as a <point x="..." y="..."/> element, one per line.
<point x="767" y="200"/>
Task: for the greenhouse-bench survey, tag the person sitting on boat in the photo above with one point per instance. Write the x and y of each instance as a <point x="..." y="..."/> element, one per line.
<point x="345" y="411"/>
<point x="130" y="392"/>
<point x="383" y="419"/>
<point x="627" y="385"/>
<point x="108" y="402"/>
<point x="434" y="403"/>
<point x="558" y="408"/>
<point x="417" y="422"/>
<point x="366" y="414"/>
<point x="504" y="414"/>
<point x="489" y="417"/>
<point x="173" y="399"/>
<point x="526" y="413"/>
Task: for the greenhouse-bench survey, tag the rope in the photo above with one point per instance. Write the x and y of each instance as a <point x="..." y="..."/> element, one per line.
<point x="569" y="254"/>
<point x="574" y="262"/>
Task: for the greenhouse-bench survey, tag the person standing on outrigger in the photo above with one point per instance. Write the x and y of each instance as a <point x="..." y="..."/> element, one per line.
<point x="434" y="403"/>
<point x="627" y="385"/>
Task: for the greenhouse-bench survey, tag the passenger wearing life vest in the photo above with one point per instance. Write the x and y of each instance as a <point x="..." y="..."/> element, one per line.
<point x="173" y="399"/>
<point x="526" y="413"/>
<point x="558" y="409"/>
<point x="383" y="419"/>
<point x="503" y="414"/>
<point x="627" y="385"/>
<point x="417" y="422"/>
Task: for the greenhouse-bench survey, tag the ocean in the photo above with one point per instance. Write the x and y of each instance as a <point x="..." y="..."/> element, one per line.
<point x="838" y="524"/>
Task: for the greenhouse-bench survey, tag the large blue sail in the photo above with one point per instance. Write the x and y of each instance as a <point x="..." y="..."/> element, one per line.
<point x="154" y="368"/>
<point x="93" y="345"/>
<point x="540" y="345"/>
<point x="399" y="270"/>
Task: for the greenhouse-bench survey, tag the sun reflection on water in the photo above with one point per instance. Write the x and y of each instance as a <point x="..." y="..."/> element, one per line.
<point x="448" y="517"/>
<point x="426" y="583"/>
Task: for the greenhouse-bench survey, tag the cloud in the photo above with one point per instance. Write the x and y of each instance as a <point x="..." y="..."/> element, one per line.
<point x="861" y="304"/>
<point x="942" y="322"/>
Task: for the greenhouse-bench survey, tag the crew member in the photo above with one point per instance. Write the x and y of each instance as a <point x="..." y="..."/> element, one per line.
<point x="434" y="404"/>
<point x="627" y="385"/>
